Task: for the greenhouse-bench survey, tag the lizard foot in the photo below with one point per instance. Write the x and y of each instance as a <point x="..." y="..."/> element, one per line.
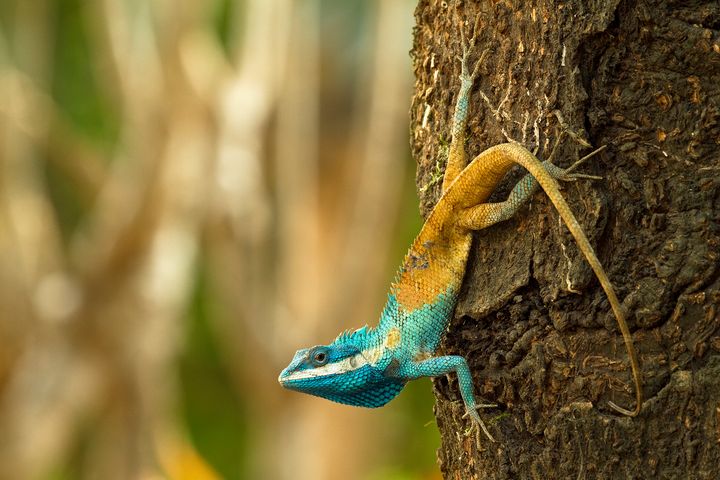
<point x="581" y="161"/>
<point x="475" y="416"/>
<point x="566" y="174"/>
<point x="467" y="77"/>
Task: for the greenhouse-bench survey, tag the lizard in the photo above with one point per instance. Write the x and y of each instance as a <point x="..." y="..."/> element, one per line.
<point x="368" y="367"/>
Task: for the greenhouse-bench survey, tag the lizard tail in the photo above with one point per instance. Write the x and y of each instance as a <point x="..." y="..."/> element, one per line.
<point x="498" y="160"/>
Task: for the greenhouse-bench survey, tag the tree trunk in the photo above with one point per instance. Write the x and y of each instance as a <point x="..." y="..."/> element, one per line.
<point x="643" y="78"/>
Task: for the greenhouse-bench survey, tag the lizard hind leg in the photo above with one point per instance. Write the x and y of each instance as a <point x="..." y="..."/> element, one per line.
<point x="486" y="214"/>
<point x="457" y="157"/>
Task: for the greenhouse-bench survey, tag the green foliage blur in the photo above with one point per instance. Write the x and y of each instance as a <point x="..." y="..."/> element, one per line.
<point x="212" y="410"/>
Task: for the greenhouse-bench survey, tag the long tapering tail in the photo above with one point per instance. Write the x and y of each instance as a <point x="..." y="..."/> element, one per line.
<point x="493" y="163"/>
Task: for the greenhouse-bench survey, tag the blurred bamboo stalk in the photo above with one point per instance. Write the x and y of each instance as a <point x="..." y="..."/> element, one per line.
<point x="92" y="320"/>
<point x="240" y="236"/>
<point x="371" y="210"/>
<point x="101" y="315"/>
<point x="317" y="295"/>
<point x="31" y="247"/>
<point x="353" y="250"/>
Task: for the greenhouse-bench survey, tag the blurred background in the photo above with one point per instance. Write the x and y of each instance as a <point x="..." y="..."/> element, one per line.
<point x="189" y="192"/>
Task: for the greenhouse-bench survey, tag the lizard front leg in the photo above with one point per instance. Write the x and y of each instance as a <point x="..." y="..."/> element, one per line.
<point x="436" y="366"/>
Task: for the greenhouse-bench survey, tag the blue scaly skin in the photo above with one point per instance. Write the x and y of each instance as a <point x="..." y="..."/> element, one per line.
<point x="369" y="367"/>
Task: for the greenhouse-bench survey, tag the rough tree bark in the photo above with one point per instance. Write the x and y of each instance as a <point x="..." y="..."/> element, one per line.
<point x="643" y="78"/>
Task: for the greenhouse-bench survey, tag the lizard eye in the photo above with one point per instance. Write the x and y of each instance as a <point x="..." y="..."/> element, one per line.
<point x="320" y="358"/>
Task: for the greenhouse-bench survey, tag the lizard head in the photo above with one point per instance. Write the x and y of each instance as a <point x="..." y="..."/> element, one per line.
<point x="343" y="372"/>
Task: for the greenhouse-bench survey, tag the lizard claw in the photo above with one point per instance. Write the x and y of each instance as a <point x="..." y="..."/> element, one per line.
<point x="566" y="174"/>
<point x="473" y="414"/>
<point x="583" y="159"/>
<point x="466" y="76"/>
<point x="572" y="177"/>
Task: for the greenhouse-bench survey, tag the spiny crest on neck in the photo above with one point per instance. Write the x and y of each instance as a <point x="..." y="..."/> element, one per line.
<point x="353" y="337"/>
